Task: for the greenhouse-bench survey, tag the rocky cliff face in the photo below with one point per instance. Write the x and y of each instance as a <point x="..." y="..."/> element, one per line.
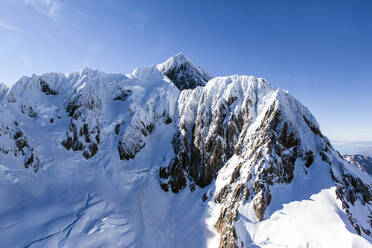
<point x="211" y="121"/>
<point x="246" y="136"/>
<point x="246" y="147"/>
<point x="16" y="143"/>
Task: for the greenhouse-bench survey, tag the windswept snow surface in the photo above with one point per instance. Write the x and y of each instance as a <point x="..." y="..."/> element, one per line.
<point x="99" y="203"/>
<point x="314" y="222"/>
<point x="103" y="201"/>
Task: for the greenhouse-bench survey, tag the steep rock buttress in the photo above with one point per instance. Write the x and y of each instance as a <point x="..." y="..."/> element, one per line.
<point x="246" y="137"/>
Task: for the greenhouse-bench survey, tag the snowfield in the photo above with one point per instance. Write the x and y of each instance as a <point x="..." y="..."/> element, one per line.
<point x="93" y="144"/>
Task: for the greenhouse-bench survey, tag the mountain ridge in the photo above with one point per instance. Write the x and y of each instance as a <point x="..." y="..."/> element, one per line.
<point x="362" y="161"/>
<point x="237" y="153"/>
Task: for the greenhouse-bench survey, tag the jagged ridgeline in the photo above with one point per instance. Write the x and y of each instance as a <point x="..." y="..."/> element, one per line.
<point x="244" y="149"/>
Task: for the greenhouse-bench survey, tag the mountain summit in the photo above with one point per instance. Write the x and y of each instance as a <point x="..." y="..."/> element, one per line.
<point x="91" y="159"/>
<point x="183" y="73"/>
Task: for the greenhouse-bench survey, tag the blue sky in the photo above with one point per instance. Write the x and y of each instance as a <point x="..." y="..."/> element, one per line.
<point x="320" y="51"/>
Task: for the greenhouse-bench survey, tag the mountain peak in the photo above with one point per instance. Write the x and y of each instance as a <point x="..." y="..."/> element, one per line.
<point x="183" y="72"/>
<point x="180" y="57"/>
<point x="177" y="59"/>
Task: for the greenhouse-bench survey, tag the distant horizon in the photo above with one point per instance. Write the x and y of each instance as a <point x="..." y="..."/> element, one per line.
<point x="318" y="51"/>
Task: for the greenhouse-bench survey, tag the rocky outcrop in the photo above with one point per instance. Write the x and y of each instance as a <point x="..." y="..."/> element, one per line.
<point x="21" y="145"/>
<point x="82" y="138"/>
<point x="267" y="158"/>
<point x="207" y="136"/>
<point x="46" y="88"/>
<point x="201" y="157"/>
<point x="84" y="131"/>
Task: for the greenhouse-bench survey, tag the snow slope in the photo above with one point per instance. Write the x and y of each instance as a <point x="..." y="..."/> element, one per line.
<point x="89" y="159"/>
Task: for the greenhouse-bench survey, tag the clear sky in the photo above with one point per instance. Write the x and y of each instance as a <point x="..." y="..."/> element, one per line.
<point x="320" y="51"/>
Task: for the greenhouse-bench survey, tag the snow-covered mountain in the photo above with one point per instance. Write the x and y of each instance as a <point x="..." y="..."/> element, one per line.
<point x="90" y="159"/>
<point x="362" y="161"/>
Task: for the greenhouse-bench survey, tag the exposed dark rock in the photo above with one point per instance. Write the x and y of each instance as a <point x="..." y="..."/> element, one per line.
<point x="150" y="128"/>
<point x="29" y="161"/>
<point x="127" y="154"/>
<point x="77" y="145"/>
<point x="309" y="158"/>
<point x="23" y="148"/>
<point x="261" y="202"/>
<point x="46" y="88"/>
<point x="123" y="95"/>
<point x="199" y="158"/>
<point x="313" y="128"/>
<point x="82" y="140"/>
<point x="183" y="73"/>
<point x="348" y="190"/>
<point x="21" y="143"/>
<point x="168" y="120"/>
<point x="163" y="172"/>
<point x="93" y="149"/>
<point x="164" y="187"/>
<point x="67" y="143"/>
<point x="179" y="75"/>
<point x="28" y="111"/>
<point x="18" y="134"/>
<point x="72" y="107"/>
<point x="98" y="139"/>
<point x="204" y="197"/>
<point x="117" y="129"/>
